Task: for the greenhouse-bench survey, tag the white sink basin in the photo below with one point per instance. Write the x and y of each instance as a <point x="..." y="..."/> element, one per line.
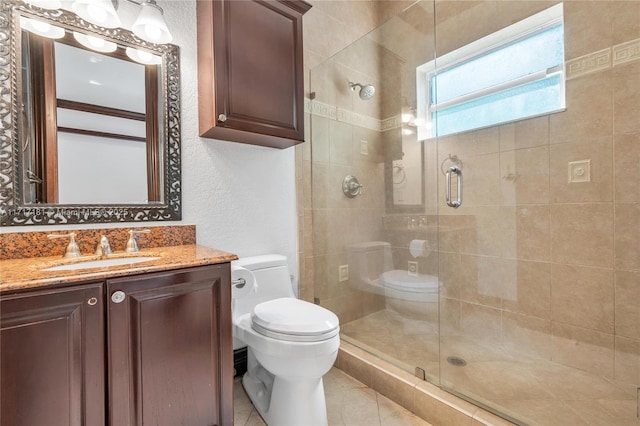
<point x="101" y="263"/>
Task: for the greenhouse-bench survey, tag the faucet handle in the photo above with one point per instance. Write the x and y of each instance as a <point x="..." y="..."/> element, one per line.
<point x="72" y="249"/>
<point x="132" y="244"/>
<point x="103" y="247"/>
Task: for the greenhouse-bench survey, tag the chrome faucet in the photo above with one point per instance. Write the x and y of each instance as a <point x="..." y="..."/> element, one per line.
<point x="72" y="249"/>
<point x="132" y="244"/>
<point x="103" y="248"/>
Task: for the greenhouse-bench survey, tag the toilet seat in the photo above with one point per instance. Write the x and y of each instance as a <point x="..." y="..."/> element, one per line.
<point x="294" y="320"/>
<point x="401" y="280"/>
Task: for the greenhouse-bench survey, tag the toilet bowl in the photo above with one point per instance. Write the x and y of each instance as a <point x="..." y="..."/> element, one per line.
<point x="290" y="343"/>
<point x="413" y="295"/>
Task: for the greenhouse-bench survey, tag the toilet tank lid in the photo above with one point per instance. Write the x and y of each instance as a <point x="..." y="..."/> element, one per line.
<point x="367" y="245"/>
<point x="253" y="263"/>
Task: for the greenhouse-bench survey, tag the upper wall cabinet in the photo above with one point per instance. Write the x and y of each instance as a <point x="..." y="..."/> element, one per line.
<point x="250" y="72"/>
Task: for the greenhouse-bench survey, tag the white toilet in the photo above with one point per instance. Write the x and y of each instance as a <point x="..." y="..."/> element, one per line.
<point x="412" y="295"/>
<point x="290" y="343"/>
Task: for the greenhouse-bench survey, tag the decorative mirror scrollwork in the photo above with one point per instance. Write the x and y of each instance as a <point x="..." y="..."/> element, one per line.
<point x="18" y="205"/>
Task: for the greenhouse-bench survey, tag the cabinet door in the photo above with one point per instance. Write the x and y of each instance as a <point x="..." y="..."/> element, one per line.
<point x="250" y="71"/>
<point x="52" y="356"/>
<point x="170" y="349"/>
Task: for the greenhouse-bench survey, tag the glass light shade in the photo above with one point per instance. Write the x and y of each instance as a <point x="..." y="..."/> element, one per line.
<point x="98" y="12"/>
<point x="45" y="4"/>
<point x="150" y="25"/>
<point x="40" y="28"/>
<point x="95" y="43"/>
<point x="143" y="57"/>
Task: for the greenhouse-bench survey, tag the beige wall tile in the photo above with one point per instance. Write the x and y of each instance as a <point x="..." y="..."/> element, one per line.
<point x="581" y="122"/>
<point x="525" y="176"/>
<point x="627" y="364"/>
<point x="481" y="180"/>
<point x="626" y="97"/>
<point x="627" y="304"/>
<point x="627" y="167"/>
<point x="581" y="348"/>
<point x="525" y="134"/>
<point x="533" y="290"/>
<point x="582" y="234"/>
<point x="583" y="296"/>
<point x="533" y="240"/>
<point x="626" y="20"/>
<point x="481" y="280"/>
<point x="587" y="27"/>
<point x="627" y="235"/>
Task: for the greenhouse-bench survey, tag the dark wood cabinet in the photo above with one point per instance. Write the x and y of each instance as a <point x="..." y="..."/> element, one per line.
<point x="52" y="356"/>
<point x="250" y="71"/>
<point x="138" y="350"/>
<point x="170" y="357"/>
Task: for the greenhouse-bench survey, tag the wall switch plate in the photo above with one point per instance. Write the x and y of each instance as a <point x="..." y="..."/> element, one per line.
<point x="364" y="147"/>
<point x="580" y="171"/>
<point x="343" y="273"/>
<point x="412" y="268"/>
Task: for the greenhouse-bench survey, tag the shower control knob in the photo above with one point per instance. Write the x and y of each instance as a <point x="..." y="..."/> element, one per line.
<point x="222" y="118"/>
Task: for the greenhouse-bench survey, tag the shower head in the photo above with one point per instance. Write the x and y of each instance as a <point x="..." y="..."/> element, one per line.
<point x="366" y="91"/>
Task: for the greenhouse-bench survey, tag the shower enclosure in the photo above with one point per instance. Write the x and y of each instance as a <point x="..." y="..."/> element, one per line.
<point x="495" y="255"/>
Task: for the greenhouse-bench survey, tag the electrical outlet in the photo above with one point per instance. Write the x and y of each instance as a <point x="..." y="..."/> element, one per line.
<point x="412" y="268"/>
<point x="343" y="273"/>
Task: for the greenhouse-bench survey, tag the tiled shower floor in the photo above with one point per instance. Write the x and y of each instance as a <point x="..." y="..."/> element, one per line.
<point x="531" y="390"/>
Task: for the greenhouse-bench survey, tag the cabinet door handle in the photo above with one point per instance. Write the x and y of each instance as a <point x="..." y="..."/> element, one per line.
<point x="118" y="296"/>
<point x="222" y="118"/>
<point x="92" y="301"/>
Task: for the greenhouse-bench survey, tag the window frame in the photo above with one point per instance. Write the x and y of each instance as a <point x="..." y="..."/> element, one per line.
<point x="514" y="33"/>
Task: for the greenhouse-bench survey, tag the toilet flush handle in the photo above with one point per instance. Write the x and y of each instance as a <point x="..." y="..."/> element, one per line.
<point x="239" y="283"/>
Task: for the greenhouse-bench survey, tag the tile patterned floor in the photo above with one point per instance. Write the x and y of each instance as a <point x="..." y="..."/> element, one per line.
<point x="349" y="403"/>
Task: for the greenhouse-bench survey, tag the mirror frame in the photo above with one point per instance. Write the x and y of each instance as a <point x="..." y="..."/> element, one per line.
<point x="13" y="211"/>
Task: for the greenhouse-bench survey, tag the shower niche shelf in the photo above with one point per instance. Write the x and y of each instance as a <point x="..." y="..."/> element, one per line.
<point x="250" y="72"/>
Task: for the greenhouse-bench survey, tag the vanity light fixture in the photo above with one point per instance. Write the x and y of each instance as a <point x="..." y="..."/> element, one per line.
<point x="95" y="43"/>
<point x="45" y="4"/>
<point x="150" y="24"/>
<point x="99" y="12"/>
<point x="40" y="28"/>
<point x="143" y="57"/>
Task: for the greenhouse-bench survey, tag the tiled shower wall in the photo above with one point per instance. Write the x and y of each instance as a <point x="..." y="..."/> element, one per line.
<point x="530" y="261"/>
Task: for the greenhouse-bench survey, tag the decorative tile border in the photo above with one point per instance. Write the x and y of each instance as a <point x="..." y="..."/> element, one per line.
<point x="626" y="52"/>
<point x="343" y="115"/>
<point x="587" y="64"/>
<point x="603" y="59"/>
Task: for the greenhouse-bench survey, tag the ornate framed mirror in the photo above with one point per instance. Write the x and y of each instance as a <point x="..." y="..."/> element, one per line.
<point x="89" y="136"/>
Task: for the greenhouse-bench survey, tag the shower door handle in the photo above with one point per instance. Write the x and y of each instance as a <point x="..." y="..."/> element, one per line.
<point x="454" y="170"/>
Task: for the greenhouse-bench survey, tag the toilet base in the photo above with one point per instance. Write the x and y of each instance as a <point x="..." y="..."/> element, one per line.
<point x="286" y="403"/>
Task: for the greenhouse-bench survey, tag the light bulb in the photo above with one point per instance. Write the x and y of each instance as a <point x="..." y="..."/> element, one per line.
<point x="96" y="13"/>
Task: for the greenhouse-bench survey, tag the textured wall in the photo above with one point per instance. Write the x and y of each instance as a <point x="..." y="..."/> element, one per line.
<point x="241" y="198"/>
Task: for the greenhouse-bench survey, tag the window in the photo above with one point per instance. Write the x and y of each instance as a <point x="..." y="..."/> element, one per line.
<point x="515" y="73"/>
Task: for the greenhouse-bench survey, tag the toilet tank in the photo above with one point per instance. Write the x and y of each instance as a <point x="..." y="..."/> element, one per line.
<point x="273" y="281"/>
<point x="368" y="260"/>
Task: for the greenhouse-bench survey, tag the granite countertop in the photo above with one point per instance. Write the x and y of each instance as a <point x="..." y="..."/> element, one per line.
<point x="26" y="273"/>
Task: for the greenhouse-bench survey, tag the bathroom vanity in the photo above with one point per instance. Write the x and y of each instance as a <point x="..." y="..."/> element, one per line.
<point x="132" y="344"/>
